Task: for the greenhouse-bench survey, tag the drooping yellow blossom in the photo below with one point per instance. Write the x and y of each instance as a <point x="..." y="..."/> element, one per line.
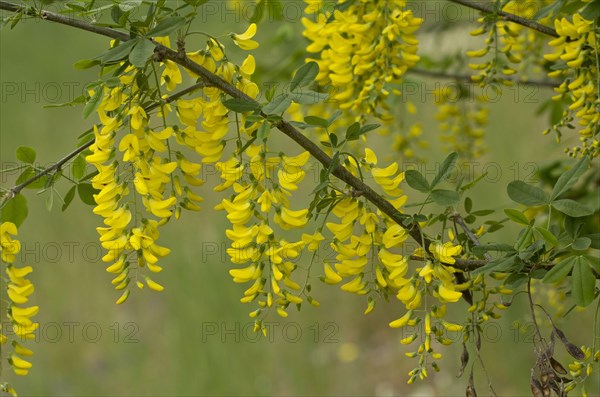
<point x="362" y="49"/>
<point x="445" y="252"/>
<point x="19" y="310"/>
<point x="244" y="40"/>
<point x="575" y="60"/>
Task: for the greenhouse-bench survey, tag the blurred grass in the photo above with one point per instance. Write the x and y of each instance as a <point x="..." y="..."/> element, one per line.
<point x="159" y="344"/>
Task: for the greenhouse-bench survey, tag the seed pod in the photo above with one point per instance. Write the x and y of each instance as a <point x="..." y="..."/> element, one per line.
<point x="471" y="392"/>
<point x="557" y="367"/>
<point x="536" y="387"/>
<point x="464" y="360"/>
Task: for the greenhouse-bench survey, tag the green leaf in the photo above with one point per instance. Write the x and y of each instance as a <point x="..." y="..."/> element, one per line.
<point x="299" y="125"/>
<point x="583" y="283"/>
<point x="594" y="262"/>
<point x="353" y="131"/>
<point x="468" y="205"/>
<point x="334" y="117"/>
<point x="305" y="75"/>
<point x="77" y="101"/>
<point x="93" y="103"/>
<point x="119" y="52"/>
<point x="560" y="270"/>
<point x="141" y="53"/>
<point x="240" y="105"/>
<point x="445" y="169"/>
<point x="591" y="11"/>
<point x="517" y="216"/>
<point x="278" y="105"/>
<point x="263" y="132"/>
<point x="28" y="174"/>
<point x="494" y="247"/>
<point x="86" y="193"/>
<point x="15" y="210"/>
<point x="532" y="249"/>
<point x="482" y="212"/>
<point x="166" y="27"/>
<point x="69" y="197"/>
<point x="581" y="243"/>
<point x="569" y="178"/>
<point x="526" y="194"/>
<point x="444" y="197"/>
<point x="308" y="97"/>
<point x="317" y="121"/>
<point x="417" y="181"/>
<point x="86" y="64"/>
<point x="547" y="235"/>
<point x="572" y="208"/>
<point x="78" y="167"/>
<point x="550" y="9"/>
<point x="368" y="128"/>
<point x="524" y="239"/>
<point x="26" y="154"/>
<point x="573" y="226"/>
<point x="502" y="265"/>
<point x="595" y="240"/>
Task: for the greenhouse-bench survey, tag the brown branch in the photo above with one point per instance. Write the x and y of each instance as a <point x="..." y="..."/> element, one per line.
<point x="460" y="221"/>
<point x="213" y="80"/>
<point x="462" y="264"/>
<point x="488" y="8"/>
<point x="466" y="78"/>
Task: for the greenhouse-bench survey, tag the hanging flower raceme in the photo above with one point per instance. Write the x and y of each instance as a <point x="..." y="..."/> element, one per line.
<point x="260" y="202"/>
<point x="134" y="170"/>
<point x="143" y="181"/>
<point x="576" y="63"/>
<point x="506" y="46"/>
<point x="19" y="310"/>
<point x="463" y="122"/>
<point x="362" y="50"/>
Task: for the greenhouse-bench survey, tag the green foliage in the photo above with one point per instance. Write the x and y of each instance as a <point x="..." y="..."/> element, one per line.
<point x="356" y="205"/>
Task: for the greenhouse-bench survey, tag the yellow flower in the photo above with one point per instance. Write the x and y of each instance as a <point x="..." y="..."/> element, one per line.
<point x="244" y="40"/>
<point x="447" y="293"/>
<point x="395" y="235"/>
<point x="171" y="75"/>
<point x="445" y="252"/>
<point x="8" y="246"/>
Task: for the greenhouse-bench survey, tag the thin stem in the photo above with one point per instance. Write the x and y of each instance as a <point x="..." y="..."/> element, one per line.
<point x="467" y="78"/>
<point x="474" y="239"/>
<point x="489" y="9"/>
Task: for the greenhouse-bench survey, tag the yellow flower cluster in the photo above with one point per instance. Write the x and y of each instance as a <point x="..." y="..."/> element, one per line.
<point x="462" y="122"/>
<point x="436" y="278"/>
<point x="583" y="369"/>
<point x="576" y="62"/>
<point x="508" y="42"/>
<point x="520" y="41"/>
<point x="361" y="50"/>
<point x="19" y="289"/>
<point x="260" y="200"/>
<point x="143" y="180"/>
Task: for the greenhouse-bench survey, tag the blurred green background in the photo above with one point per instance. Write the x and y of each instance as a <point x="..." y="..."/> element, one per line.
<point x="195" y="338"/>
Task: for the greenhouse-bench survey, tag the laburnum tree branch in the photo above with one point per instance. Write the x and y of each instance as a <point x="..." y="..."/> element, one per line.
<point x="215" y="81"/>
<point x="490" y="8"/>
<point x="210" y="79"/>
